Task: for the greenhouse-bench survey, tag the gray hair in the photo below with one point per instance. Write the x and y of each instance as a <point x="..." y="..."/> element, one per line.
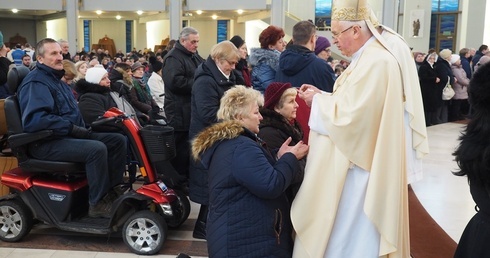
<point x="184" y="34"/>
<point x="62" y="41"/>
<point x="40" y="45"/>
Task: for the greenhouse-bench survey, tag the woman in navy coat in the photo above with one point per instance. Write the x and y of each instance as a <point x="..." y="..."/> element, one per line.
<point x="248" y="208"/>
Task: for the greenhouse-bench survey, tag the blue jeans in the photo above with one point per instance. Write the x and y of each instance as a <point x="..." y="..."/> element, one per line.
<point x="104" y="155"/>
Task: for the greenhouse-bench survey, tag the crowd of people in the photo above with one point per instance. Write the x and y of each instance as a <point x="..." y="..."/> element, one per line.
<point x="438" y="69"/>
<point x="284" y="151"/>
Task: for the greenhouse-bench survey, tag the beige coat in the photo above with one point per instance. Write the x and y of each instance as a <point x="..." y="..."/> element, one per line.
<point x="365" y="121"/>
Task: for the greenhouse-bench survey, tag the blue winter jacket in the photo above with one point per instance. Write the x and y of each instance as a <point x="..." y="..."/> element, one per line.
<point x="265" y="63"/>
<point x="46" y="102"/>
<point x="299" y="65"/>
<point x="248" y="208"/>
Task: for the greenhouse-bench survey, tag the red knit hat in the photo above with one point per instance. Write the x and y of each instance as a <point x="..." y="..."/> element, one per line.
<point x="274" y="92"/>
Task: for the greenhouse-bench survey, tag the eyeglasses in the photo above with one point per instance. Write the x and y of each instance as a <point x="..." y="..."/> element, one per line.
<point x="336" y="35"/>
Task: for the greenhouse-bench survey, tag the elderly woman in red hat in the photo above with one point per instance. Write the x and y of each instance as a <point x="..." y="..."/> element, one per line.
<point x="265" y="60"/>
<point x="279" y="123"/>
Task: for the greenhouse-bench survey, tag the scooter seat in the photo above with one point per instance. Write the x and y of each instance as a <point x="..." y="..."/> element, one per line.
<point x="45" y="166"/>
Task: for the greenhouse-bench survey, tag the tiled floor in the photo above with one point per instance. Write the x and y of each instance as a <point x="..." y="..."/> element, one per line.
<point x="445" y="196"/>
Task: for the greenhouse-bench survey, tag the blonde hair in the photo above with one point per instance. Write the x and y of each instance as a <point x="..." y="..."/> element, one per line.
<point x="77" y="67"/>
<point x="225" y="50"/>
<point x="70" y="70"/>
<point x="236" y="102"/>
<point x="289" y="92"/>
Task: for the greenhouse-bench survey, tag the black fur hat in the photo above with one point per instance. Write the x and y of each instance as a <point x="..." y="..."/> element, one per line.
<point x="479" y="89"/>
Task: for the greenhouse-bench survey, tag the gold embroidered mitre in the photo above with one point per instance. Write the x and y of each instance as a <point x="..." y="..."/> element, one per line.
<point x="350" y="10"/>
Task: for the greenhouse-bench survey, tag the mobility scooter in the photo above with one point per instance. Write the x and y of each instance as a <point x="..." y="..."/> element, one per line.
<point x="56" y="192"/>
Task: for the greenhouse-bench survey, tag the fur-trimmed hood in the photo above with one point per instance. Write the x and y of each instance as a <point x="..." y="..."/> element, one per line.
<point x="82" y="87"/>
<point x="268" y="56"/>
<point x="215" y="133"/>
<point x="275" y="120"/>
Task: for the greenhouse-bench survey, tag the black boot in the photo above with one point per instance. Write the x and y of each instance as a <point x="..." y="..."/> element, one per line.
<point x="200" y="227"/>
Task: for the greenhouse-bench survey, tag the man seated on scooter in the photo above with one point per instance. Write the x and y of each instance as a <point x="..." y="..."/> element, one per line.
<point x="48" y="103"/>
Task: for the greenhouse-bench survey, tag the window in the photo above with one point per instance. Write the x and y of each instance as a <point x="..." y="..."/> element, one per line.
<point x="222" y="30"/>
<point x="86" y="35"/>
<point x="444" y="20"/>
<point x="323" y="13"/>
<point x="129" y="30"/>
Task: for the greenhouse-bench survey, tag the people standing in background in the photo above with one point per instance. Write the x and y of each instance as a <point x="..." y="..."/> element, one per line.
<point x="265" y="60"/>
<point x="212" y="79"/>
<point x="322" y="48"/>
<point x="298" y="64"/>
<point x="459" y="106"/>
<point x="431" y="94"/>
<point x="482" y="50"/>
<point x="419" y="59"/>
<point x="483" y="60"/>
<point x="472" y="54"/>
<point x="445" y="74"/>
<point x="242" y="66"/>
<point x="178" y="69"/>
<point x="65" y="48"/>
<point x="464" y="54"/>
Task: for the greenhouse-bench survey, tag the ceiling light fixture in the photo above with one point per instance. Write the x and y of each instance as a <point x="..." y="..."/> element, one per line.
<point x="239" y="11"/>
<point x="15" y="10"/>
<point x="214" y="16"/>
<point x="118" y="17"/>
<point x="199" y="12"/>
<point x="139" y="12"/>
<point x="98" y="12"/>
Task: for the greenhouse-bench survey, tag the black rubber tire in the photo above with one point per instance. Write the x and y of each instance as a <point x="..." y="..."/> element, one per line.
<point x="145" y="232"/>
<point x="15" y="220"/>
<point x="182" y="211"/>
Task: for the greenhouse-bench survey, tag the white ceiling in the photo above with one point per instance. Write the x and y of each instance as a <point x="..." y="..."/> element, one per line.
<point x="125" y="15"/>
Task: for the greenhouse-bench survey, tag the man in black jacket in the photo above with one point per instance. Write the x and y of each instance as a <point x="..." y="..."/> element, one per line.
<point x="298" y="64"/>
<point x="178" y="75"/>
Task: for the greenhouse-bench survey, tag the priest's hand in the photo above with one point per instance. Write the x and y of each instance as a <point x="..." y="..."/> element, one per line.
<point x="306" y="92"/>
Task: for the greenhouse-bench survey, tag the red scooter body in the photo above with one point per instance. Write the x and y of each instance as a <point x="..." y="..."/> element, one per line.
<point x="61" y="199"/>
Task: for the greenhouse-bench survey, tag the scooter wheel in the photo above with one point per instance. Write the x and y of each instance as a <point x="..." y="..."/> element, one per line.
<point x="15" y="220"/>
<point x="145" y="232"/>
<point x="182" y="209"/>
